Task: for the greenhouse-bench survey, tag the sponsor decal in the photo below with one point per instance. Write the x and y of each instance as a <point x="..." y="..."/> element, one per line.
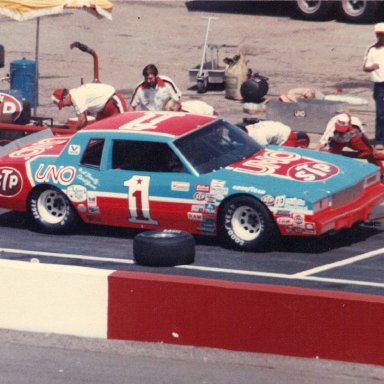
<point x="283" y="212"/>
<point x="195" y="216"/>
<point x="268" y="200"/>
<point x="11" y="182"/>
<point x="207" y="225"/>
<point x="87" y="178"/>
<point x="312" y="171"/>
<point x="210" y="198"/>
<point x="293" y="201"/>
<point x="210" y="208"/>
<point x="37" y="148"/>
<point x="197" y="208"/>
<point x="91" y="200"/>
<point x="199" y="196"/>
<point x="280" y="201"/>
<point x="74" y="149"/>
<point x="218" y="189"/>
<point x="300" y="113"/>
<point x="81" y="208"/>
<point x="310" y="226"/>
<point x="77" y="193"/>
<point x="94" y="210"/>
<point x="58" y="175"/>
<point x="249" y="189"/>
<point x="286" y="165"/>
<point x="10" y="107"/>
<point x="284" y="221"/>
<point x="298" y="219"/>
<point x="180" y="186"/>
<point x="203" y="188"/>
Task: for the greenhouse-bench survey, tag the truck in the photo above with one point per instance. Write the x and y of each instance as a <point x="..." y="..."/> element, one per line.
<point x="352" y="11"/>
<point x="355" y="11"/>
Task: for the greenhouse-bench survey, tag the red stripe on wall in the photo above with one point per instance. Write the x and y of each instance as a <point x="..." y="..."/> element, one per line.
<point x="246" y="317"/>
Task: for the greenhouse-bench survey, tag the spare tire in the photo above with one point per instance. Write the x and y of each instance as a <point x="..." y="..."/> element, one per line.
<point x="164" y="248"/>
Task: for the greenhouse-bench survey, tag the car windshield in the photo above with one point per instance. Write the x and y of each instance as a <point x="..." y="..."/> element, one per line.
<point x="216" y="146"/>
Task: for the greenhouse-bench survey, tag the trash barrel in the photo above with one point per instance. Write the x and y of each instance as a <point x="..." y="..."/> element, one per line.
<point x="22" y="76"/>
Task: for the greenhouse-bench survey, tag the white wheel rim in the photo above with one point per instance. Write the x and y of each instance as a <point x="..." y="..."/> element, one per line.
<point x="309" y="7"/>
<point x="354" y="8"/>
<point x="246" y="223"/>
<point x="52" y="206"/>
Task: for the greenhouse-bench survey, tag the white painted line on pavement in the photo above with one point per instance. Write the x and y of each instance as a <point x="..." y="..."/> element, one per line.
<point x="65" y="255"/>
<point x="340" y="263"/>
<point x="282" y="276"/>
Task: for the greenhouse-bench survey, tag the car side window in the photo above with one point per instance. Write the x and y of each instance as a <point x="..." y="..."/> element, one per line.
<point x="144" y="156"/>
<point x="93" y="152"/>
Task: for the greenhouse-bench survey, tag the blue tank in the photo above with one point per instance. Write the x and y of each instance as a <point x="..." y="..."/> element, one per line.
<point x="22" y="76"/>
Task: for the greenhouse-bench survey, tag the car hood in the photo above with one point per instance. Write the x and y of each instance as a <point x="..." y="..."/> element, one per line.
<point x="308" y="174"/>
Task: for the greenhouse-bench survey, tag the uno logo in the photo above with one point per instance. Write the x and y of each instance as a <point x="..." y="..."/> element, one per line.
<point x="58" y="175"/>
<point x="300" y="113"/>
<point x="11" y="182"/>
<point x="312" y="171"/>
<point x="10" y="107"/>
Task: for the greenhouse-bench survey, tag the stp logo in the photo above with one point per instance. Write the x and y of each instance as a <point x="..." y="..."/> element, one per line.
<point x="10" y="108"/>
<point x="10" y="182"/>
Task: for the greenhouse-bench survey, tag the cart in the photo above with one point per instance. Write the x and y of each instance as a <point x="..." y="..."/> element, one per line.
<point x="208" y="71"/>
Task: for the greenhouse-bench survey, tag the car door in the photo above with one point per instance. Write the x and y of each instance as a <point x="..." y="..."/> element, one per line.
<point x="145" y="185"/>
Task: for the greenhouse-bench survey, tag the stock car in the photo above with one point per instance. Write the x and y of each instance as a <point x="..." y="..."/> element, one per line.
<point x="187" y="172"/>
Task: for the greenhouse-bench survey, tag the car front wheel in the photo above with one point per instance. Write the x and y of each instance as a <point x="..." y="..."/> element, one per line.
<point x="51" y="211"/>
<point x="245" y="224"/>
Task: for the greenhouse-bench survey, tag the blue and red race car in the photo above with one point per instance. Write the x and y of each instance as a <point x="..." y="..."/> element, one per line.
<point x="200" y="174"/>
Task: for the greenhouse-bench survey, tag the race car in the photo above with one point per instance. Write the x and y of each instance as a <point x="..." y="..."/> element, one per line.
<point x="195" y="173"/>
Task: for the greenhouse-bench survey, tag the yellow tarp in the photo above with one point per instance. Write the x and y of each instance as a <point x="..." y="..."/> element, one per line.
<point x="25" y="10"/>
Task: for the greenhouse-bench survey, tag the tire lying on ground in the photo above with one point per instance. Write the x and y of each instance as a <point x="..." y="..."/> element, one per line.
<point x="164" y="248"/>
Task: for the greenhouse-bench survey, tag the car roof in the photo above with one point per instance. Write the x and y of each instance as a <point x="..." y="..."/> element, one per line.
<point x="157" y="123"/>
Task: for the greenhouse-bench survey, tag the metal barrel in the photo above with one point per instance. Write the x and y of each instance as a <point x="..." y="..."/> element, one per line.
<point x="22" y="76"/>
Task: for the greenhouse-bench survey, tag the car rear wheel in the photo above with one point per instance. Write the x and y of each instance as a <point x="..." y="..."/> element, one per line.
<point x="245" y="224"/>
<point x="51" y="211"/>
<point x="164" y="248"/>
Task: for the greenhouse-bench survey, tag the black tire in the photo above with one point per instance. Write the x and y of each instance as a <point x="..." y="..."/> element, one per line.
<point x="314" y="10"/>
<point x="363" y="11"/>
<point x="164" y="248"/>
<point x="202" y="85"/>
<point x="51" y="211"/>
<point x="245" y="224"/>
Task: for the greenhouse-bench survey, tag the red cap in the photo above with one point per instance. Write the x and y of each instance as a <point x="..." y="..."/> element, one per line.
<point x="57" y="97"/>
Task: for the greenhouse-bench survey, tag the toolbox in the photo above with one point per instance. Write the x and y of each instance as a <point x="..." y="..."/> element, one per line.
<point x="308" y="115"/>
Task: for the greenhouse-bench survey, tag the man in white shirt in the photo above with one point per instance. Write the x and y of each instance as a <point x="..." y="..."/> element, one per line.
<point x="276" y="133"/>
<point x="374" y="64"/>
<point x="94" y="98"/>
<point x="151" y="93"/>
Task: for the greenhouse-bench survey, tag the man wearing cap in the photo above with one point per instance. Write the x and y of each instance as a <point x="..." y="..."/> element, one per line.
<point x="346" y="131"/>
<point x="94" y="98"/>
<point x="374" y="64"/>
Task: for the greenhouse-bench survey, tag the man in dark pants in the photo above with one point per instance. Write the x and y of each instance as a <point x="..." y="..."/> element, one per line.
<point x="374" y="64"/>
